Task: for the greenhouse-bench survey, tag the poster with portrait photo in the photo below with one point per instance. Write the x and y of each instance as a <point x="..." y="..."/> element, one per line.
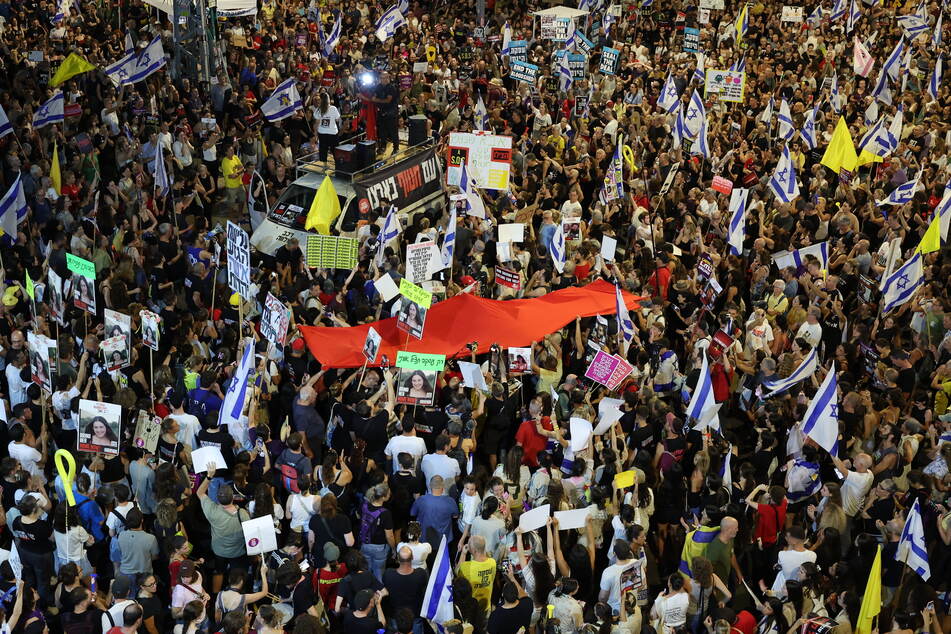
<point x="99" y="427"/>
<point x="150" y="328"/>
<point x="416" y="387"/>
<point x="84" y="293"/>
<point x="119" y="325"/>
<point x="55" y="298"/>
<point x="39" y="351"/>
<point x="572" y="228"/>
<point x="371" y="346"/>
<point x="114" y="353"/>
<point x="520" y="360"/>
<point x="412" y="318"/>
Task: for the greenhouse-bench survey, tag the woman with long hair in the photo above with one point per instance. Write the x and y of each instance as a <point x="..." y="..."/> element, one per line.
<point x="193" y="620"/>
<point x="670" y="608"/>
<point x="538" y="570"/>
<point x="829" y="512"/>
<point x="263" y="505"/>
<point x="67" y="580"/>
<point x="328" y="126"/>
<point x="71" y="538"/>
<point x="329" y="526"/>
<point x="565" y="607"/>
<point x="773" y="620"/>
<point x="704" y="584"/>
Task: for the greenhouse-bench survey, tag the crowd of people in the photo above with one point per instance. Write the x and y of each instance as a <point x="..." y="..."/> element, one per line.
<point x="745" y="519"/>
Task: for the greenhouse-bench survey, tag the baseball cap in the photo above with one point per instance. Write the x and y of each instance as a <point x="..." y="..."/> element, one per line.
<point x="362" y="600"/>
<point x="331" y="551"/>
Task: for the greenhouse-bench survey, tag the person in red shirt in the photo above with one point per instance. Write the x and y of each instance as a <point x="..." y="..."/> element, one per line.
<point x="326" y="580"/>
<point x="531" y="441"/>
<point x="659" y="281"/>
<point x="770" y="520"/>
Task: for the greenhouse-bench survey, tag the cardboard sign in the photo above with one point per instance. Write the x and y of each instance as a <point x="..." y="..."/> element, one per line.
<point x="730" y="85"/>
<point x="581" y="430"/>
<point x="791" y="14"/>
<point x="331" y="252"/>
<point x="488" y="159"/>
<point x="691" y="40"/>
<point x="535" y="518"/>
<point x="608" y="248"/>
<point x="703" y="16"/>
<point x="80" y="266"/>
<point x="520" y="360"/>
<point x="508" y="278"/>
<point x="578" y="64"/>
<point x="415" y="294"/>
<point x="712" y="4"/>
<point x="625" y="479"/>
<point x="420" y="361"/>
<point x="239" y="260"/>
<point x="609" y="60"/>
<point x="722" y="185"/>
<point x="555" y="28"/>
<point x="371" y="347"/>
<point x="259" y="535"/>
<point x="119" y="325"/>
<point x="386" y="287"/>
<point x="147" y="431"/>
<point x="524" y="72"/>
<point x="411" y="318"/>
<point x="204" y="456"/>
<point x="583" y="44"/>
<point x="602" y="367"/>
<point x="575" y="518"/>
<point x="150" y="328"/>
<point x="472" y="376"/>
<point x="420" y="67"/>
<point x="275" y="320"/>
<point x="416" y="387"/>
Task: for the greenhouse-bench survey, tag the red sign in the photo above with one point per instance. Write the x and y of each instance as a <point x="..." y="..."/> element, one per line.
<point x="72" y="110"/>
<point x="508" y="277"/>
<point x="722" y="185"/>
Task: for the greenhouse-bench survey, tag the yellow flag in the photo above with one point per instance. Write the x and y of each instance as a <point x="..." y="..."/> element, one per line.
<point x="872" y="601"/>
<point x="931" y="241"/>
<point x="840" y="155"/>
<point x="54" y="171"/>
<point x="324" y="209"/>
<point x="867" y="157"/>
<point x="73" y="65"/>
<point x="742" y="23"/>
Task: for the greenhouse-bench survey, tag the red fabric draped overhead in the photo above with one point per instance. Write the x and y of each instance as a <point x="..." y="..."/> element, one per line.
<point x="462" y="319"/>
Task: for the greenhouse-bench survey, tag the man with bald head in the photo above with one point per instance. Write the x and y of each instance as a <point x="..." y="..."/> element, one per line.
<point x="855" y="486"/>
<point x="307" y="421"/>
<point x="405" y="585"/>
<point x="720" y="550"/>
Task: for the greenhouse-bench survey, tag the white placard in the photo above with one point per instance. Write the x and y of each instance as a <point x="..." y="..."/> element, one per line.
<point x="386" y="287"/>
<point x="606" y="419"/>
<point x="472" y="376"/>
<point x="503" y="251"/>
<point x="420" y="67"/>
<point x="514" y="232"/>
<point x="703" y="16"/>
<point x="239" y="260"/>
<point x="203" y="456"/>
<point x="791" y="14"/>
<point x="580" y="433"/>
<point x="259" y="535"/>
<point x="422" y="261"/>
<point x="712" y="4"/>
<point x="536" y="518"/>
<point x="608" y="248"/>
<point x="575" y="518"/>
<point x="607" y="403"/>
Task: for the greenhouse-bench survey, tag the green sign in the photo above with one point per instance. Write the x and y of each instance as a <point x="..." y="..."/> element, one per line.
<point x="331" y="252"/>
<point x="420" y="361"/>
<point x="80" y="266"/>
<point x="415" y="293"/>
<point x="30" y="289"/>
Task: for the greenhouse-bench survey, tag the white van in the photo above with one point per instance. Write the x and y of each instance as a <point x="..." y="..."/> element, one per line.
<point x="411" y="179"/>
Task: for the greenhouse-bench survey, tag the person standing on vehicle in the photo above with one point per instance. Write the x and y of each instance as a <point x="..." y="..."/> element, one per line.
<point x="328" y="126"/>
<point x="387" y="98"/>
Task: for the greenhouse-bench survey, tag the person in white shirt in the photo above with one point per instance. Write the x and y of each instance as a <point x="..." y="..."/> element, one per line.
<point x="811" y="330"/>
<point x="17" y="386"/>
<point x="856" y="484"/>
<point x="19" y="448"/>
<point x="439" y="464"/>
<point x="188" y="424"/>
<point x="610" y="587"/>
<point x="407" y="442"/>
<point x="328" y="126"/>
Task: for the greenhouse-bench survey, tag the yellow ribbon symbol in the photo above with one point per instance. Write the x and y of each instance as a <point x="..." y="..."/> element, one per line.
<point x="629" y="157"/>
<point x="66" y="466"/>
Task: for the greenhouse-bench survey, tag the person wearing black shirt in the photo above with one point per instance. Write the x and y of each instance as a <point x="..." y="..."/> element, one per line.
<point x="84" y="618"/>
<point x="405" y="586"/>
<point x="515" y="612"/>
<point x="358" y="579"/>
<point x="288" y="259"/>
<point x="301" y="592"/>
<point x="366" y="616"/>
<point x="387" y="98"/>
<point x="34" y="541"/>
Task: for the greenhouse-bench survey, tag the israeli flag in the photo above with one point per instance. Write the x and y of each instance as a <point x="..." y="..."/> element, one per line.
<point x="854" y="15"/>
<point x="783" y="182"/>
<point x="62" y="10"/>
<point x="625" y="325"/>
<point x="391" y="229"/>
<point x="679" y="130"/>
<point x="901" y="195"/>
<point x="283" y="102"/>
<point x="912" y="25"/>
<point x="481" y="118"/>
<point x="821" y="422"/>
<point x="669" y="97"/>
<point x="696" y="114"/>
<point x="882" y="92"/>
<point x="698" y="70"/>
<point x="834" y="98"/>
<point x="50" y="112"/>
<point x="786" y="127"/>
<point x="892" y="64"/>
<point x="391" y="20"/>
<point x="437" y="602"/>
<point x="506" y="38"/>
<point x="737" y="219"/>
<point x="703" y="406"/>
<point x="838" y="10"/>
<point x="808" y="132"/>
<point x="237" y="394"/>
<point x="767" y="115"/>
<point x="5" y="126"/>
<point x="570" y="41"/>
<point x="935" y="79"/>
<point x="162" y="182"/>
<point x="558" y="249"/>
<point x="798" y="256"/>
<point x="564" y="74"/>
<point x="936" y="36"/>
<point x="870" y="140"/>
<point x="257" y="215"/>
<point x="739" y="66"/>
<point x="12" y="208"/>
<point x="449" y="242"/>
<point x="805" y="370"/>
<point x="943" y="211"/>
<point x="129" y="44"/>
<point x="815" y="17"/>
<point x="121" y="72"/>
<point x="902" y="284"/>
<point x="912" y="550"/>
<point x="890" y="141"/>
<point x="149" y="61"/>
<point x="700" y="145"/>
<point x="726" y="473"/>
<point x="332" y="38"/>
<point x="474" y="205"/>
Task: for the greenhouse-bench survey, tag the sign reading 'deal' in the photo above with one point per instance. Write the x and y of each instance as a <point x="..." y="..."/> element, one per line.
<point x="609" y="60"/>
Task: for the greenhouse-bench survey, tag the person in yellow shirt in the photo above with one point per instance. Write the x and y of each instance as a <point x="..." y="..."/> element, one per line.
<point x="479" y="571"/>
<point x="231" y="171"/>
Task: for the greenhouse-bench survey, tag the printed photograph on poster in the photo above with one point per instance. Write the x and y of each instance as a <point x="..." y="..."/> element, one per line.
<point x="39" y="361"/>
<point x="118" y="325"/>
<point x="572" y="228"/>
<point x="114" y="353"/>
<point x="412" y="318"/>
<point x="54" y="296"/>
<point x="372" y="345"/>
<point x="416" y="387"/>
<point x="99" y="427"/>
<point x="150" y="328"/>
<point x="147" y="431"/>
<point x="84" y="293"/>
<point x="520" y="360"/>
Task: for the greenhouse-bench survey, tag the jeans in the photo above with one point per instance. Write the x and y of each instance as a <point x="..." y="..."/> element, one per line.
<point x="376" y="558"/>
<point x="37" y="570"/>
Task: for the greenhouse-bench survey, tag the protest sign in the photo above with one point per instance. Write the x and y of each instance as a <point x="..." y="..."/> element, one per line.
<point x="204" y="456"/>
<point x="39" y="355"/>
<point x="147" y="431"/>
<point x="555" y="28"/>
<point x="55" y="296"/>
<point x="415" y="294"/>
<point x="703" y="16"/>
<point x="712" y="4"/>
<point x="422" y="258"/>
<point x="535" y="518"/>
<point x="114" y="353"/>
<point x="472" y="376"/>
<point x="602" y="367"/>
<point x="259" y="535"/>
<point x="583" y="44"/>
<point x="119" y="325"/>
<point x="578" y="64"/>
<point x="150" y="328"/>
<point x="722" y="185"/>
<point x="691" y="39"/>
<point x="791" y="14"/>
<point x="274" y="320"/>
<point x="80" y="266"/>
<point x="372" y="345"/>
<point x="608" y="248"/>
<point x="524" y="72"/>
<point x="420" y="361"/>
<point x="609" y="60"/>
<point x="625" y="479"/>
<point x="520" y="360"/>
<point x="514" y="232"/>
<point x="386" y="287"/>
<point x="488" y="159"/>
<point x="581" y="105"/>
<point x="621" y="372"/>
<point x="99" y="427"/>
<point x="83" y="283"/>
<point x="239" y="260"/>
<point x="416" y="387"/>
<point x="420" y="67"/>
<point x="411" y="318"/>
<point x="730" y="85"/>
<point x="580" y="433"/>
<point x="331" y="252"/>
<point x="575" y="518"/>
<point x="518" y="51"/>
<point x="508" y="277"/>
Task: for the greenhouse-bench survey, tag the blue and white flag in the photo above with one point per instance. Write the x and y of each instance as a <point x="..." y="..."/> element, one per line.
<point x="892" y="64"/>
<point x="698" y="70"/>
<point x="389" y="22"/>
<point x="62" y="10"/>
<point x="474" y="205"/>
<point x="902" y="284"/>
<point x="912" y="25"/>
<point x="121" y="72"/>
<point x="808" y="132"/>
<point x="943" y="211"/>
<point x="624" y="323"/>
<point x="882" y="92"/>
<point x="449" y="242"/>
<point x="805" y="370"/>
<point x="391" y="229"/>
<point x="739" y="66"/>
<point x="912" y="549"/>
<point x="571" y="40"/>
<point x="936" y="36"/>
<point x="480" y="115"/>
<point x="559" y="251"/>
<point x="767" y="115"/>
<point x="149" y="61"/>
<point x="679" y="130"/>
<point x="786" y="127"/>
<point x="838" y="10"/>
<point x="614" y="178"/>
<point x="333" y="38"/>
<point x="237" y="394"/>
<point x="726" y="472"/>
<point x="893" y="135"/>
<point x="696" y="114"/>
<point x="669" y="97"/>
<point x="437" y="602"/>
<point x="162" y="182"/>
<point x="700" y="145"/>
<point x="403" y="6"/>
<point x="12" y="208"/>
<point x="815" y="17"/>
<point x="506" y="38"/>
<point x="129" y="44"/>
<point x="901" y="195"/>
<point x="870" y="140"/>
<point x="935" y="80"/>
<point x="854" y="15"/>
<point x="783" y="182"/>
<point x="834" y="98"/>
<point x="283" y="102"/>
<point x="50" y="112"/>
<point x="5" y="126"/>
<point x="564" y="74"/>
<point x="738" y="198"/>
<point x="703" y="405"/>
<point x="797" y="258"/>
<point x="821" y="422"/>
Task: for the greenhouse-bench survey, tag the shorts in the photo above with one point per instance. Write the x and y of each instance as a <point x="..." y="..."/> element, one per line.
<point x="234" y="195"/>
<point x="221" y="565"/>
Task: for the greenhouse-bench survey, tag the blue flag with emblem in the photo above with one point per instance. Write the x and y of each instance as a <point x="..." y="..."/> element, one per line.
<point x="805" y="370"/>
<point x="854" y="15"/>
<point x="449" y="242"/>
<point x="283" y="102"/>
<point x="901" y="195"/>
<point x="783" y="183"/>
<point x="391" y="20"/>
<point x="808" y="132"/>
<point x="786" y="127"/>
<point x="936" y="36"/>
<point x="935" y="82"/>
<point x="912" y="549"/>
<point x="625" y="325"/>
<point x="669" y="97"/>
<point x="237" y="395"/>
<point x="12" y="208"/>
<point x="892" y="64"/>
<point x="700" y="145"/>
<point x="564" y="74"/>
<point x="391" y="229"/>
<point x="52" y="111"/>
<point x="838" y="10"/>
<point x="737" y="208"/>
<point x="821" y="422"/>
<point x="558" y="248"/>
<point x="149" y="61"/>
<point x="703" y="406"/>
<point x="902" y="284"/>
<point x="5" y="126"/>
<point x="333" y="38"/>
<point x="162" y="182"/>
<point x="696" y="114"/>
<point x="679" y="129"/>
<point x="815" y="17"/>
<point x="437" y="602"/>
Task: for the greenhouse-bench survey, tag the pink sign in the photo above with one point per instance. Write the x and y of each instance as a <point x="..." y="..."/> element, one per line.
<point x="602" y="367"/>
<point x="722" y="185"/>
<point x="621" y="372"/>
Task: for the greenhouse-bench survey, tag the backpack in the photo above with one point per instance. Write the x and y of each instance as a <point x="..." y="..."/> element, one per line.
<point x="290" y="473"/>
<point x="369" y="520"/>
